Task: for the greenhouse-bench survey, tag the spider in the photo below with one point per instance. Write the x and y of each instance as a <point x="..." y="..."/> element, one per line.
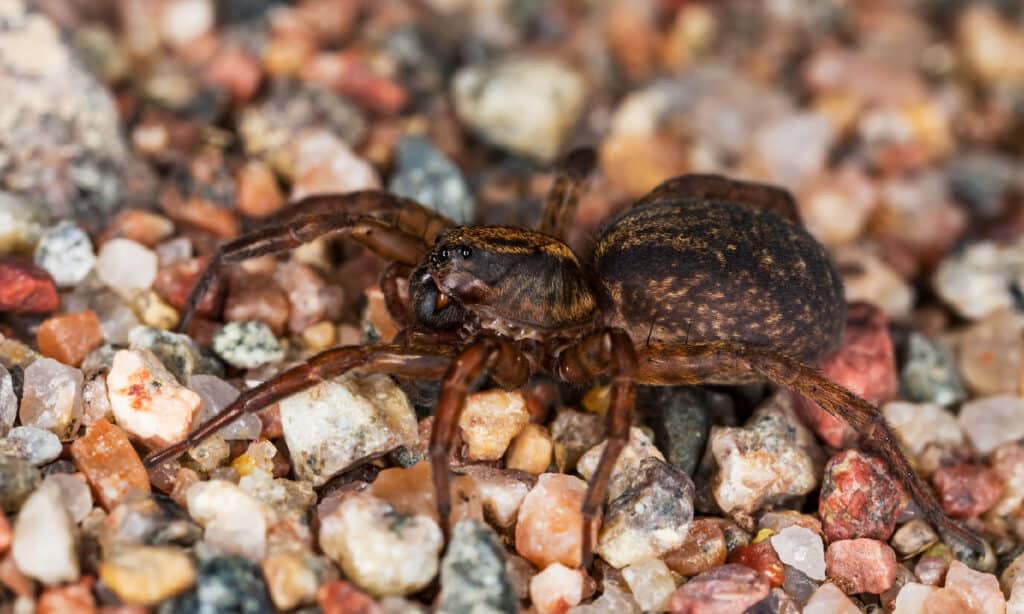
<point x="706" y="280"/>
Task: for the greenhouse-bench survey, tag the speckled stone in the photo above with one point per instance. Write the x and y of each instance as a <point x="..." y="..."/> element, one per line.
<point x="858" y="498"/>
<point x="223" y="584"/>
<point x="966" y="491"/>
<point x="929" y="373"/>
<point x="425" y="175"/>
<point x="729" y="588"/>
<point x="627" y="469"/>
<point x="177" y="352"/>
<point x="861" y="565"/>
<point x="247" y="345"/>
<point x="66" y="253"/>
<point x="473" y="575"/>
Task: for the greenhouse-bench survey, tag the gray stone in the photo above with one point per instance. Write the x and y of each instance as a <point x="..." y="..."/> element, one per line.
<point x="177" y="352"/>
<point x="425" y="175"/>
<point x="473" y="575"/>
<point x="680" y="419"/>
<point x="39" y="446"/>
<point x="8" y="400"/>
<point x="929" y="373"/>
<point x="18" y="478"/>
<point x="66" y="253"/>
<point x="247" y="345"/>
<point x="224" y="584"/>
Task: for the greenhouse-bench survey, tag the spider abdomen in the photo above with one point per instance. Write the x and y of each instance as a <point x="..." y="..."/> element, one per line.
<point x="698" y="271"/>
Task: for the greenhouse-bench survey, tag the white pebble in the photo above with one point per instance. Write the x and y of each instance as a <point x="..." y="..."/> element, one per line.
<point x="74" y="494"/>
<point x="52" y="397"/>
<point x="44" y="539"/>
<point x="651" y="584"/>
<point x="66" y="253"/>
<point x="233" y="520"/>
<point x="125" y="265"/>
<point x="802" y="549"/>
<point x="40" y="446"/>
<point x="148" y="402"/>
<point x="989" y="422"/>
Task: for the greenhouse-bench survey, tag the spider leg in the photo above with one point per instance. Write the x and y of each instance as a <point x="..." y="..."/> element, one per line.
<point x="417" y="362"/>
<point x="720" y="362"/>
<point x="397" y="309"/>
<point x="506" y="365"/>
<point x="561" y="201"/>
<point x="607" y="350"/>
<point x="395" y="228"/>
<point x="758" y="196"/>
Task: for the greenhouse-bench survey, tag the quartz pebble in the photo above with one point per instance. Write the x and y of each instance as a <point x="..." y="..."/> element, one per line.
<point x="146" y="575"/>
<point x="258" y="192"/>
<point x="627" y="467"/>
<point x="124" y="265"/>
<point x="340" y="597"/>
<point x="858" y="498"/>
<point x="977" y="280"/>
<point x="729" y="588"/>
<point x="997" y="335"/>
<point x="490" y="420"/>
<point x="324" y="165"/>
<point x="912" y="598"/>
<point x="52" y="397"/>
<point x="918" y="425"/>
<point x="233" y="521"/>
<point x="550" y="523"/>
<point x="26" y="288"/>
<point x="801" y="548"/>
<point x="651" y="583"/>
<point x="293" y="576"/>
<point x="70" y="337"/>
<point x="531" y="450"/>
<point x="247" y="345"/>
<point x="109" y="463"/>
<point x="44" y="544"/>
<point x="501" y="492"/>
<point x="65" y="252"/>
<point x="39" y="446"/>
<point x="557" y="588"/>
<point x="324" y="441"/>
<point x="830" y="600"/>
<point x="473" y="574"/>
<point x="216" y="395"/>
<point x="310" y="299"/>
<point x="8" y="401"/>
<point x="614" y="600"/>
<point x="992" y="421"/>
<point x="147" y="400"/>
<point x="650" y="518"/>
<point x="861" y="565"/>
<point x="384" y="552"/>
<point x="968" y="591"/>
<point x="74" y="494"/>
<point x="177" y="352"/>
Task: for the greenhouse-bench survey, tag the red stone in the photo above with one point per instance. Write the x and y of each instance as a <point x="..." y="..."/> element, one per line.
<point x="26" y="288"/>
<point x="864" y="363"/>
<point x="760" y="557"/>
<point x="859" y="498"/>
<point x="75" y="598"/>
<point x="728" y="589"/>
<point x="110" y="463"/>
<point x="69" y="337"/>
<point x="861" y="565"/>
<point x="967" y="491"/>
<point x="236" y="72"/>
<point x="174" y="282"/>
<point x="352" y="76"/>
<point x="340" y="597"/>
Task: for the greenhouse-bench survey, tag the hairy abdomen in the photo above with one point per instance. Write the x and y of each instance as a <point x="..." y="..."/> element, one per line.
<point x="711" y="271"/>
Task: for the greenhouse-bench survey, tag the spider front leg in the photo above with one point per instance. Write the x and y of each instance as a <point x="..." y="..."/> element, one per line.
<point x="561" y="201"/>
<point x="720" y="362"/>
<point x="406" y="361"/>
<point x="605" y="351"/>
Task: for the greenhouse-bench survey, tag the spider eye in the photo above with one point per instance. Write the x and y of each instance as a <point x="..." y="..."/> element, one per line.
<point x="444" y="254"/>
<point x="465" y="252"/>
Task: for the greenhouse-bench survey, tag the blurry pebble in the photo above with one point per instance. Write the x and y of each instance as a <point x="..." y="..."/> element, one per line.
<point x="233" y="521"/>
<point x="929" y="373"/>
<point x="66" y="253"/>
<point x="557" y="588"/>
<point x="966" y="491"/>
<point x="124" y="265"/>
<point x="52" y="397"/>
<point x="69" y="337"/>
<point x="26" y="288"/>
<point x="74" y="493"/>
<point x="39" y="445"/>
<point x="918" y="425"/>
<point x="247" y="345"/>
<point x="425" y="175"/>
<point x="473" y="575"/>
<point x="490" y="420"/>
<point x="992" y="421"/>
<point x="44" y="544"/>
<point x="801" y="548"/>
<point x="146" y="575"/>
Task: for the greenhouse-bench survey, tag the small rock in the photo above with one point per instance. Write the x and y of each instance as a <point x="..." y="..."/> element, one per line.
<point x="26" y="288"/>
<point x="929" y="373"/>
<point x="966" y="491"/>
<point x="65" y="252"/>
<point x="8" y="400"/>
<point x="234" y="521"/>
<point x="703" y="549"/>
<point x="52" y="398"/>
<point x="177" y="352"/>
<point x="912" y="597"/>
<point x="650" y="518"/>
<point x="75" y="597"/>
<point x="836" y="206"/>
<point x="830" y="600"/>
<point x="223" y="584"/>
<point x="557" y="588"/>
<point x="760" y="556"/>
<point x="977" y="592"/>
<point x="680" y="419"/>
<point x="931" y="569"/>
<point x="918" y="425"/>
<point x="990" y="422"/>
<point x="247" y="345"/>
<point x="310" y="298"/>
<point x="324" y="165"/>
<point x="729" y="588"/>
<point x="39" y="446"/>
<point x="293" y="576"/>
<point x="869" y="278"/>
<point x="110" y="463"/>
<point x="861" y="565"/>
<point x="44" y="545"/>
<point x="574" y="432"/>
<point x="124" y="265"/>
<point x="801" y="548"/>
<point x="258" y="298"/>
<point x="858" y="498"/>
<point x="997" y="335"/>
<point x="323" y="441"/>
<point x="490" y="420"/>
<point x="411" y="491"/>
<point x="340" y="597"/>
<point x="384" y="552"/>
<point x="491" y="99"/>
<point x="174" y="282"/>
<point x="913" y="538"/>
<point x="473" y="575"/>
<point x="18" y="479"/>
<point x="977" y="281"/>
<point x="147" y="401"/>
<point x="425" y="175"/>
<point x="217" y="395"/>
<point x="258" y="192"/>
<point x="1008" y="462"/>
<point x="785" y="165"/>
<point x="69" y="337"/>
<point x="501" y="492"/>
<point x="21" y="224"/>
<point x="651" y="583"/>
<point x="143" y="227"/>
<point x="531" y="450"/>
<point x="320" y="336"/>
<point x="614" y="600"/>
<point x="550" y="524"/>
<point x="627" y="469"/>
<point x="74" y="494"/>
<point x="146" y="575"/>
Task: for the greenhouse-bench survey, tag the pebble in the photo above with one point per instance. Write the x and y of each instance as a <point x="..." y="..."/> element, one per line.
<point x="784" y="165"/>
<point x="234" y="522"/>
<point x="992" y="421"/>
<point x="69" y="337"/>
<point x="340" y="597"/>
<point x="972" y="591"/>
<point x="574" y="432"/>
<point x="651" y="583"/>
<point x="729" y="588"/>
<point x="929" y="373"/>
<point x="627" y="469"/>
<point x="74" y="494"/>
<point x="258" y="192"/>
<point x="836" y="206"/>
<point x="18" y="479"/>
<point x="26" y="288"/>
<point x="65" y="252"/>
<point x="531" y="450"/>
<point x="125" y="265"/>
<point x="861" y="565"/>
<point x="310" y="299"/>
<point x="760" y="556"/>
<point x="38" y="446"/>
<point x="501" y="492"/>
<point x="411" y="491"/>
<point x="75" y="598"/>
<point x="614" y="600"/>
<point x="918" y="425"/>
<point x="324" y="164"/>
<point x="177" y="352"/>
<point x="381" y="550"/>
<point x="44" y="544"/>
<point x="858" y="498"/>
<point x="216" y="394"/>
<point x="147" y="400"/>
<point x="913" y="538"/>
<point x="869" y="278"/>
<point x="110" y="463"/>
<point x="1008" y="462"/>
<point x="557" y="588"/>
<point x="998" y="335"/>
<point x="931" y="569"/>
<point x="8" y="401"/>
<point x="680" y="419"/>
<point x="174" y="281"/>
<point x="912" y="597"/>
<point x="144" y="227"/>
<point x="52" y="398"/>
<point x="21" y="224"/>
<point x="828" y="599"/>
<point x="293" y="576"/>
<point x="766" y="460"/>
<point x="473" y="574"/>
<point x="801" y="548"/>
<point x="650" y="518"/>
<point x="425" y="175"/>
<point x="489" y="422"/>
<point x="550" y="524"/>
<point x="247" y="345"/>
<point x="147" y="575"/>
<point x="323" y="441"/>
<point x="977" y="280"/>
<point x="490" y="98"/>
<point x="223" y="584"/>
<point x="703" y="549"/>
<point x="967" y="491"/>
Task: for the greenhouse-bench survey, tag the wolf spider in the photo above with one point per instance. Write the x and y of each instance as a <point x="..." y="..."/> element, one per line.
<point x="705" y="280"/>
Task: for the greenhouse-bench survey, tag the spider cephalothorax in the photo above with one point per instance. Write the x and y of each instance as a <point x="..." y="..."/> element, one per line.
<point x="705" y="280"/>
